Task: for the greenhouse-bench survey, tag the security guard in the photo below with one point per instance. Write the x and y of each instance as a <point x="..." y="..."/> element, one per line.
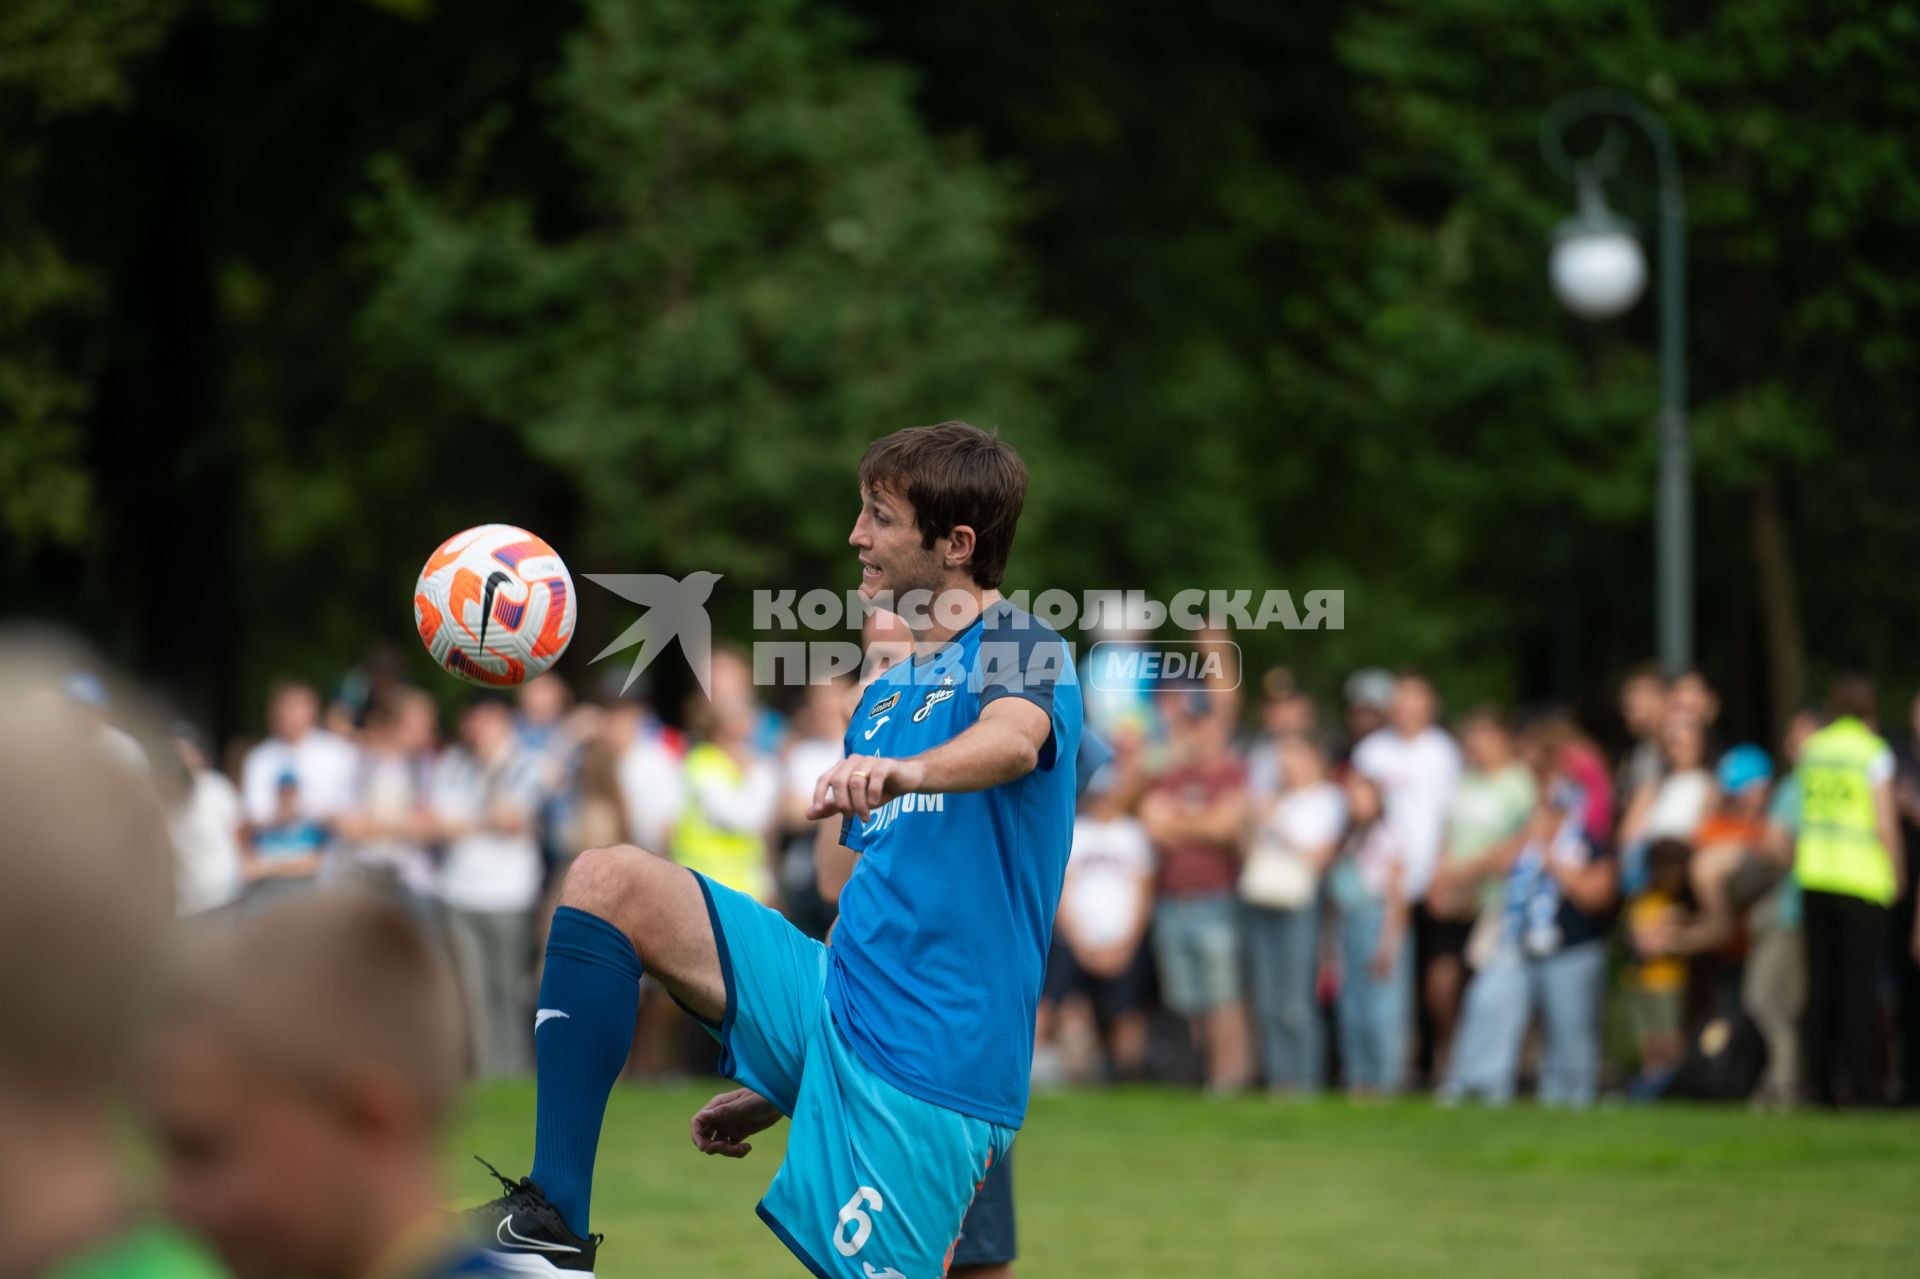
<point x="1849" y="863"/>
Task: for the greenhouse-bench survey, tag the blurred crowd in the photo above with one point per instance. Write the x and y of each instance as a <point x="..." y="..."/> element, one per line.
<point x="1258" y="896"/>
<point x="1498" y="902"/>
<point x="1393" y="900"/>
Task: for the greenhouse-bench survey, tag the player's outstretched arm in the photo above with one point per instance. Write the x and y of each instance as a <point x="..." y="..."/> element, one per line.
<point x="722" y="1126"/>
<point x="1002" y="745"/>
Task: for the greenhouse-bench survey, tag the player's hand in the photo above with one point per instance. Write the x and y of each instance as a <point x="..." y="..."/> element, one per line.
<point x="859" y="784"/>
<point x="722" y="1126"/>
<point x="1381" y="965"/>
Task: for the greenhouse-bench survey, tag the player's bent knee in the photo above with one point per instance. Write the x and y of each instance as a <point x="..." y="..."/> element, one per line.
<point x="655" y="902"/>
<point x="612" y="882"/>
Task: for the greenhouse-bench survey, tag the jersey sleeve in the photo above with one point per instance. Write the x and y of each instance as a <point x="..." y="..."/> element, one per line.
<point x="1021" y="657"/>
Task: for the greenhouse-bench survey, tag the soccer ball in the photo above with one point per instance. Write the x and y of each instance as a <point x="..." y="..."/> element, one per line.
<point x="494" y="605"/>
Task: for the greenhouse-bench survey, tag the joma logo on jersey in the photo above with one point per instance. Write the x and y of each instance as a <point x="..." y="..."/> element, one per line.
<point x="934" y="698"/>
<point x="884" y="705"/>
<point x="909" y="803"/>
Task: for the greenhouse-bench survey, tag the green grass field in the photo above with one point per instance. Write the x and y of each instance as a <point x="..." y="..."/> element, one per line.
<point x="1168" y="1184"/>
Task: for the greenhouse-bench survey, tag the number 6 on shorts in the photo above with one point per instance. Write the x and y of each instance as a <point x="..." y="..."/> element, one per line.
<point x="862" y="1224"/>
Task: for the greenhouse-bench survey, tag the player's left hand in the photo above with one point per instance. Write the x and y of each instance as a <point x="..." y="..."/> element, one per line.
<point x="722" y="1126"/>
<point x="859" y="784"/>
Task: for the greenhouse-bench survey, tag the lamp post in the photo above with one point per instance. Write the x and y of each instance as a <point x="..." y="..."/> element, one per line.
<point x="1598" y="271"/>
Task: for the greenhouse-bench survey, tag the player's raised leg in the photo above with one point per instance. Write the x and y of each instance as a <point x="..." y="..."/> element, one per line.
<point x="622" y="912"/>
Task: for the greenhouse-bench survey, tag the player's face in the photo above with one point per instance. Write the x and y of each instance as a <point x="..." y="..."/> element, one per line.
<point x="893" y="560"/>
<point x="252" y="1166"/>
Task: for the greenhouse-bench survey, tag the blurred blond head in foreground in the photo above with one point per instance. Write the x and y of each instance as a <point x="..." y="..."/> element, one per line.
<point x="85" y="900"/>
<point x="295" y="1083"/>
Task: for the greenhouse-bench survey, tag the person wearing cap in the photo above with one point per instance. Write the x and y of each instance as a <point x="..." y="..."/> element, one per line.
<point x="1850" y="863"/>
<point x="281" y="856"/>
<point x="322" y="763"/>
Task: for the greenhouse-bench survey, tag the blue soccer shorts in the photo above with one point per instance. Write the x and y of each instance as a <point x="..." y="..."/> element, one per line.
<point x="876" y="1182"/>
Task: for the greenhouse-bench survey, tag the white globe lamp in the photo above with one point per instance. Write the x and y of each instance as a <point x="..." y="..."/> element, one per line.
<point x="1597" y="268"/>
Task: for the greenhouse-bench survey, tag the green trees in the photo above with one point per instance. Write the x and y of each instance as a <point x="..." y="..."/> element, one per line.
<point x="290" y="291"/>
<point x="1335" y="241"/>
<point x="762" y="263"/>
<point x="56" y="61"/>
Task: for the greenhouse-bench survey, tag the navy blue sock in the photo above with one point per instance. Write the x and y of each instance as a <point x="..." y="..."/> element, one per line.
<point x="589" y="998"/>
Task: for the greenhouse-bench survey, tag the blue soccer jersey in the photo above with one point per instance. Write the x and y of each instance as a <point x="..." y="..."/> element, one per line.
<point x="938" y="958"/>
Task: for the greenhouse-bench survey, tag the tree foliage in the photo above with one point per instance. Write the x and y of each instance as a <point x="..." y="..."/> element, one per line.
<point x="766" y="262"/>
<point x="288" y="292"/>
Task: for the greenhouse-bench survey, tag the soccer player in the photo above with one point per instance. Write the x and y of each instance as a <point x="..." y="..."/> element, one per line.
<point x="902" y="1052"/>
<point x="987" y="1246"/>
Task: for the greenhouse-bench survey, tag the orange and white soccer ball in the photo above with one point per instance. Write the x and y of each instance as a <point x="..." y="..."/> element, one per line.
<point x="494" y="605"/>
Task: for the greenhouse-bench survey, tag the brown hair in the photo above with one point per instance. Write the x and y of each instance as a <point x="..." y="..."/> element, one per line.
<point x="954" y="474"/>
<point x="1483" y="713"/>
<point x="325" y="984"/>
<point x="1851" y="693"/>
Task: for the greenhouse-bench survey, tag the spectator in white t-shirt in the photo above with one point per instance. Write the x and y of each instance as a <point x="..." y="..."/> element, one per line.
<point x="204" y="824"/>
<point x="1416" y="765"/>
<point x="1417" y="768"/>
<point x="319" y="764"/>
<point x="486" y="799"/>
<point x="1098" y="976"/>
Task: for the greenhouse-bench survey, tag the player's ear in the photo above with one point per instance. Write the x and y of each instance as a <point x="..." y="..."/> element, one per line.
<point x="959" y="549"/>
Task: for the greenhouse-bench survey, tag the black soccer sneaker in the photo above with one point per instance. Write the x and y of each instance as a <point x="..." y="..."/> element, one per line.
<point x="526" y="1234"/>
